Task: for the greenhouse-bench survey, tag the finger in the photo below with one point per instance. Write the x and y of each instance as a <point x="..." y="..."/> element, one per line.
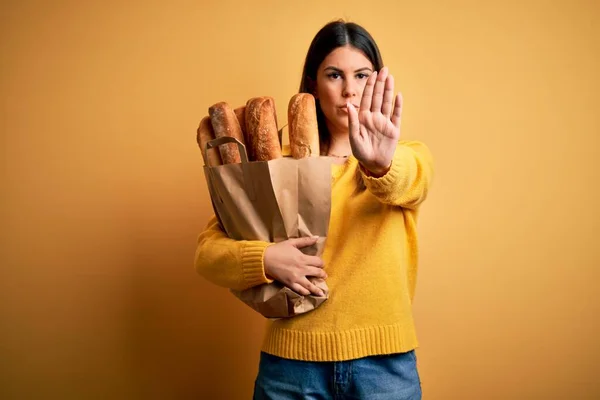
<point x="312" y="287"/>
<point x="353" y="123"/>
<point x="365" y="102"/>
<point x="388" y="97"/>
<point x="378" y="90"/>
<point x="303" y="241"/>
<point x="316" y="272"/>
<point x="298" y="288"/>
<point x="397" y="115"/>
<point x="314" y="261"/>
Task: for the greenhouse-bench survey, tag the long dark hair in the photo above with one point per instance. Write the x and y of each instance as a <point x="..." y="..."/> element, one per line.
<point x="333" y="35"/>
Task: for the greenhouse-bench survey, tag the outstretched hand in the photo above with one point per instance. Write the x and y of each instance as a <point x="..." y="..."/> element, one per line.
<point x="375" y="127"/>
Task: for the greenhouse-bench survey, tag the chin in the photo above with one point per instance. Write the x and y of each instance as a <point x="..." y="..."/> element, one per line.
<point x="340" y="120"/>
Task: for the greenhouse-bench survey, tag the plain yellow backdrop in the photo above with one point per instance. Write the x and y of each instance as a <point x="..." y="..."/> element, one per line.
<point x="103" y="193"/>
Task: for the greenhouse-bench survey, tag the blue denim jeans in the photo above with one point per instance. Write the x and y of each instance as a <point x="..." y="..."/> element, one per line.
<point x="390" y="377"/>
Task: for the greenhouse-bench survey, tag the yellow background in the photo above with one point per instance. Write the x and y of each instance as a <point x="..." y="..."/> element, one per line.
<point x="103" y="193"/>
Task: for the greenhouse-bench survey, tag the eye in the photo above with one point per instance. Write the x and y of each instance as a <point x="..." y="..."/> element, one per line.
<point x="334" y="75"/>
<point x="362" y="76"/>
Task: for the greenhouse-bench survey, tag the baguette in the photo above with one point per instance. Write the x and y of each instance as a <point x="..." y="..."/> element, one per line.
<point x="205" y="134"/>
<point x="261" y="128"/>
<point x="240" y="113"/>
<point x="302" y="126"/>
<point x="225" y="123"/>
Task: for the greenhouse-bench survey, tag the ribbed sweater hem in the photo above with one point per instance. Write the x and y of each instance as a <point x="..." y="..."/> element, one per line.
<point x="339" y="346"/>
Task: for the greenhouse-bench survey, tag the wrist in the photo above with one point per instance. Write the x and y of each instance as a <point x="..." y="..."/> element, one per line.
<point x="267" y="264"/>
<point x="376" y="171"/>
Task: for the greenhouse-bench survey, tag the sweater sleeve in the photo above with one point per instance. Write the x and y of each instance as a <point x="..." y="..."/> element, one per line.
<point x="407" y="182"/>
<point x="234" y="264"/>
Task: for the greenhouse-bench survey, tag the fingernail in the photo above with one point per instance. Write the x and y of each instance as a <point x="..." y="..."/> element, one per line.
<point x="315" y="236"/>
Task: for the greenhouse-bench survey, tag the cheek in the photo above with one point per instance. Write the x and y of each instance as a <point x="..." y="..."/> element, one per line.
<point x="326" y="97"/>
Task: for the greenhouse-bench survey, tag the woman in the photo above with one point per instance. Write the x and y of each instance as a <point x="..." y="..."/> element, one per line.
<point x="360" y="343"/>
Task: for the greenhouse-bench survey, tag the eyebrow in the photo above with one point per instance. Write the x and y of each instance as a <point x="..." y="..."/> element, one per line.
<point x="358" y="70"/>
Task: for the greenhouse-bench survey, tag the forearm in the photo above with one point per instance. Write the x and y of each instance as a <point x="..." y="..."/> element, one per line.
<point x="234" y="264"/>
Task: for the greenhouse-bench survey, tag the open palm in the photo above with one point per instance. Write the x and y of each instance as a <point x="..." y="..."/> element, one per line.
<point x="375" y="127"/>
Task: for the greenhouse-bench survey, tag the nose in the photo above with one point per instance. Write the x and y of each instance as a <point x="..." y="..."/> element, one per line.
<point x="350" y="88"/>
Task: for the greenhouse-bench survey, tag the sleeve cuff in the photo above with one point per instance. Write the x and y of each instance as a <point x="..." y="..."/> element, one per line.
<point x="380" y="186"/>
<point x="253" y="267"/>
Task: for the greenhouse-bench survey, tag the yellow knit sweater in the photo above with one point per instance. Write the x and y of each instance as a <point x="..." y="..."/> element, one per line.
<point x="370" y="258"/>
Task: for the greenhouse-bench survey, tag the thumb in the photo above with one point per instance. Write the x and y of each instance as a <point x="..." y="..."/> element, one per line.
<point x="303" y="241"/>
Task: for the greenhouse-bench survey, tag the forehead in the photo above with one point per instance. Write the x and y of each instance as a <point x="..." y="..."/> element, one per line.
<point x="346" y="58"/>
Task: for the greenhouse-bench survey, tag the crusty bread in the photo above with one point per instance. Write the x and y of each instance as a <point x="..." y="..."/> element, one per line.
<point x="240" y="113"/>
<point x="225" y="123"/>
<point x="205" y="134"/>
<point x="302" y="126"/>
<point x="261" y="127"/>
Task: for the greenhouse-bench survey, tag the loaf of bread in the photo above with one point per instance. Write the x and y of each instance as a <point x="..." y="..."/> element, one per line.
<point x="261" y="129"/>
<point x="240" y="113"/>
<point x="302" y="126"/>
<point x="225" y="123"/>
<point x="205" y="134"/>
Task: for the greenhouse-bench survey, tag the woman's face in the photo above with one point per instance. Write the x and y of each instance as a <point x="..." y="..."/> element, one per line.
<point x="341" y="78"/>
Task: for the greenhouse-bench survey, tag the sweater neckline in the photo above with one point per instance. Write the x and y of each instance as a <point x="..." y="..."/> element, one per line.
<point x="338" y="170"/>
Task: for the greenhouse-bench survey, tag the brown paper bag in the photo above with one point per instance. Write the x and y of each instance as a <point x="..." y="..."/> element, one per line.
<point x="273" y="201"/>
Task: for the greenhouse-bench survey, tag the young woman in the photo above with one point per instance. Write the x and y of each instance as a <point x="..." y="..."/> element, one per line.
<point x="360" y="343"/>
